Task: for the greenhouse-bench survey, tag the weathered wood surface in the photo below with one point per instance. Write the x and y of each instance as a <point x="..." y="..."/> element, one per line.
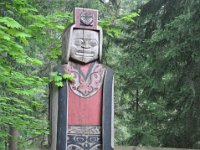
<point x="135" y="148"/>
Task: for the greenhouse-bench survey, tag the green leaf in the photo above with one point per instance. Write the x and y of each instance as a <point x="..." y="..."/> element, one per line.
<point x="129" y="17"/>
<point x="68" y="77"/>
<point x="59" y="84"/>
<point x="60" y="27"/>
<point x="35" y="61"/>
<point x="10" y="22"/>
<point x="5" y="36"/>
<point x="26" y="43"/>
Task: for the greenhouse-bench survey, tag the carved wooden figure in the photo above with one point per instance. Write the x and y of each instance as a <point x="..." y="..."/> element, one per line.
<point x="81" y="112"/>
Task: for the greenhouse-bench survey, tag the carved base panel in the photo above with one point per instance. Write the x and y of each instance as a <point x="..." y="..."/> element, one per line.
<point x="84" y="138"/>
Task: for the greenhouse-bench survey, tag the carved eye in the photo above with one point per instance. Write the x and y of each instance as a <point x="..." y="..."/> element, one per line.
<point x="78" y="42"/>
<point x="93" y="43"/>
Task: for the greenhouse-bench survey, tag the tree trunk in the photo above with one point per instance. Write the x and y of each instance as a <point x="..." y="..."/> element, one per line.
<point x="13" y="139"/>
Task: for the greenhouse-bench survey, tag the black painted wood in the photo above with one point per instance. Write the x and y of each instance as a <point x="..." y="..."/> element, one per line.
<point x="62" y="118"/>
<point x="107" y="110"/>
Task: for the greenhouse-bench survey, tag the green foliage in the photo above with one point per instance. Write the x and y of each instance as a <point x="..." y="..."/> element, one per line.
<point x="30" y="33"/>
<point x="10" y="22"/>
<point x="157" y="76"/>
<point x="57" y="78"/>
<point x="24" y="49"/>
<point x="129" y="18"/>
<point x="109" y="29"/>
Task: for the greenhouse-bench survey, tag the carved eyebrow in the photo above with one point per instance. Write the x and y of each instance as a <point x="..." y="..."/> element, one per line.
<point x="78" y="38"/>
<point x="86" y="39"/>
<point x="91" y="39"/>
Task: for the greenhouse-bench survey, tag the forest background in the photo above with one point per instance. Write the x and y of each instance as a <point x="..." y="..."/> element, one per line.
<point x="152" y="46"/>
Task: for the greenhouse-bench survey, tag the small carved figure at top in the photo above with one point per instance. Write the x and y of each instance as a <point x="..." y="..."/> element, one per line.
<point x="86" y="19"/>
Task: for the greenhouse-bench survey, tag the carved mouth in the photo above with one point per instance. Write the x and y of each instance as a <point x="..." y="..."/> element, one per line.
<point x="84" y="53"/>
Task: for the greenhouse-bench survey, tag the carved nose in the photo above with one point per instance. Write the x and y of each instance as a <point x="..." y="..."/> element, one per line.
<point x="85" y="45"/>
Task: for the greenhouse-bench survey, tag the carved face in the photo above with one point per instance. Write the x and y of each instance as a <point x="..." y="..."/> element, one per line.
<point x="85" y="45"/>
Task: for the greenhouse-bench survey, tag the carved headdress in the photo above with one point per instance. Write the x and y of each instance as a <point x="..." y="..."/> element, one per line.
<point x="86" y="19"/>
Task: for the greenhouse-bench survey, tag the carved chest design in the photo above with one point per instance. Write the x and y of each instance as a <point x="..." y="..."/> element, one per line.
<point x="86" y="84"/>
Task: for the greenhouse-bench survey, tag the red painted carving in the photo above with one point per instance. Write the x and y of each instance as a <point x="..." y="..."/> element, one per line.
<point x="85" y="111"/>
<point x="87" y="16"/>
<point x="85" y="94"/>
<point x="86" y="85"/>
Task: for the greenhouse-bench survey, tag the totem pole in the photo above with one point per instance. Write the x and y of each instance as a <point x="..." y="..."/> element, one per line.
<point x="82" y="111"/>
